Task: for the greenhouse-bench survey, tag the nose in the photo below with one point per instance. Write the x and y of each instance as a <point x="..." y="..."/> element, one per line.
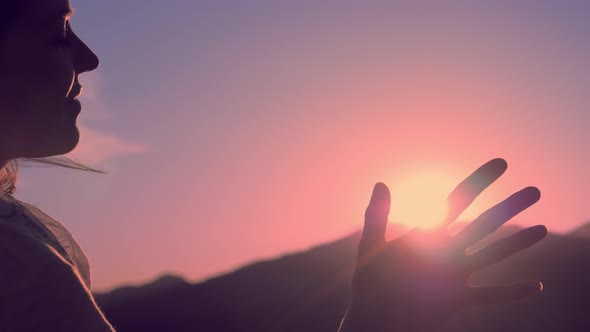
<point x="84" y="59"/>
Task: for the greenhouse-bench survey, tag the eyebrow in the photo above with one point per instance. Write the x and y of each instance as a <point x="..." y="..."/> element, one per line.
<point x="64" y="13"/>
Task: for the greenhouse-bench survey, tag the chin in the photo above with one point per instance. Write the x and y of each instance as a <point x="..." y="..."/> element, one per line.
<point x="67" y="140"/>
<point x="57" y="143"/>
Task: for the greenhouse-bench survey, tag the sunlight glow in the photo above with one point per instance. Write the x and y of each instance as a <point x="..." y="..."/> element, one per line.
<point x="419" y="199"/>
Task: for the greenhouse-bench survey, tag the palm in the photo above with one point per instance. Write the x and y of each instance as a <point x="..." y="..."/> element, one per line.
<point x="416" y="281"/>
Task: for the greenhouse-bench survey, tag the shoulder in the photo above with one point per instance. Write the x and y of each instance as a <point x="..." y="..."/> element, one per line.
<point x="8" y="205"/>
<point x="15" y="214"/>
<point x="34" y="280"/>
<point x="24" y="259"/>
<point x="56" y="235"/>
<point x="18" y="245"/>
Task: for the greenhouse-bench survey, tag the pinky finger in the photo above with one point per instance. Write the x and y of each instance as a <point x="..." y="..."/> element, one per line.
<point x="503" y="293"/>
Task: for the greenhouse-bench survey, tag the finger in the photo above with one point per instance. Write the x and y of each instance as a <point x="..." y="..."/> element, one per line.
<point x="505" y="248"/>
<point x="495" y="217"/>
<point x="375" y="220"/>
<point x="503" y="293"/>
<point x="468" y="190"/>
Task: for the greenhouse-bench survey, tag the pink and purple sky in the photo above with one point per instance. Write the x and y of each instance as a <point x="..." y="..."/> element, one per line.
<point x="232" y="132"/>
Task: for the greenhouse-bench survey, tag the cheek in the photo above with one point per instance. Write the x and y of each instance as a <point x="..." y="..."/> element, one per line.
<point x="35" y="79"/>
<point x="48" y="81"/>
<point x="55" y="76"/>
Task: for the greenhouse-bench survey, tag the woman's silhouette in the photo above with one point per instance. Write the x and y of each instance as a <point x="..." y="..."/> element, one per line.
<point x="45" y="278"/>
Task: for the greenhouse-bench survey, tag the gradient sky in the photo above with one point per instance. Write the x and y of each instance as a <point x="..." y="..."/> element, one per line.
<point x="238" y="130"/>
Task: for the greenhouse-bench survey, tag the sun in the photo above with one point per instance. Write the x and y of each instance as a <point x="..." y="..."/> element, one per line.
<point x="420" y="199"/>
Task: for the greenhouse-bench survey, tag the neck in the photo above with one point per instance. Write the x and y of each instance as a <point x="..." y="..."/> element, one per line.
<point x="8" y="151"/>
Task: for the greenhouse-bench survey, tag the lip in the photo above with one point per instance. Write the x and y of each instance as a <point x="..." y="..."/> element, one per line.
<point x="75" y="91"/>
<point x="74" y="106"/>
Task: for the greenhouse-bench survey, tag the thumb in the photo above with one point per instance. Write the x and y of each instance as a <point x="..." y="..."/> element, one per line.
<point x="375" y="220"/>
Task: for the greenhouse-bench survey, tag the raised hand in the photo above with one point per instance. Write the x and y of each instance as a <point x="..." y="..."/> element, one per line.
<point x="414" y="283"/>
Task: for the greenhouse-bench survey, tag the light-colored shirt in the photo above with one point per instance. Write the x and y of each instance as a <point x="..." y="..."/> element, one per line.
<point x="34" y="222"/>
<point x="44" y="274"/>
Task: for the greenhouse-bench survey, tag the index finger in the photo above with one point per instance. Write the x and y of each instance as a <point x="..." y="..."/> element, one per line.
<point x="468" y="190"/>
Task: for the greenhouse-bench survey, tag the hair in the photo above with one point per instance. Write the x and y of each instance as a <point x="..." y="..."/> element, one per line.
<point x="9" y="171"/>
<point x="9" y="12"/>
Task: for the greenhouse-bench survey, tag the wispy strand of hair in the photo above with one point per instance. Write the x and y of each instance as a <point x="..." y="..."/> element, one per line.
<point x="9" y="173"/>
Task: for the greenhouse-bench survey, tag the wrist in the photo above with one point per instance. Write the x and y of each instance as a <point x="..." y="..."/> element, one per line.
<point x="372" y="317"/>
<point x="358" y="318"/>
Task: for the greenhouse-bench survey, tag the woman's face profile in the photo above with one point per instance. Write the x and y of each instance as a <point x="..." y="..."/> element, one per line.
<point x="40" y="60"/>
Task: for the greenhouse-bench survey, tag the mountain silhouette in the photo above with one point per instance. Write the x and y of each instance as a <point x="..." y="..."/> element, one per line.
<point x="582" y="231"/>
<point x="308" y="291"/>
